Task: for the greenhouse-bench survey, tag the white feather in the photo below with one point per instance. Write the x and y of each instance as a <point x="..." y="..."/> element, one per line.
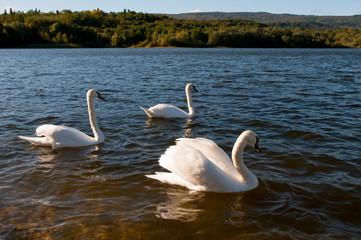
<point x="199" y="164"/>
<point x="58" y="136"/>
<point x="170" y="111"/>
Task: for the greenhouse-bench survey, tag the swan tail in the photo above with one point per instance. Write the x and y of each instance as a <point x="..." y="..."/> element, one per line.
<point x="147" y="112"/>
<point x="37" y="141"/>
<point x="171" y="178"/>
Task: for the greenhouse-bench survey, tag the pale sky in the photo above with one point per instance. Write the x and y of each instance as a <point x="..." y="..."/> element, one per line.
<point x="302" y="7"/>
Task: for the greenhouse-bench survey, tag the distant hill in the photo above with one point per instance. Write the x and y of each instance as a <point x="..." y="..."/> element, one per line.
<point x="309" y="21"/>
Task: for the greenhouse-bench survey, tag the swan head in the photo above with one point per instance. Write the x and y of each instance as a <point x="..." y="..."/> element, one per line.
<point x="252" y="139"/>
<point x="190" y="86"/>
<point x="92" y="93"/>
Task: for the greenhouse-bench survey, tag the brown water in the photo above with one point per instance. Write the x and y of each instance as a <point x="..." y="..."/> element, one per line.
<point x="304" y="104"/>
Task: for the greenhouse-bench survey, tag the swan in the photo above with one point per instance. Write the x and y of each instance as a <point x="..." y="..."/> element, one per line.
<point x="201" y="165"/>
<point x="170" y="111"/>
<point x="58" y="136"/>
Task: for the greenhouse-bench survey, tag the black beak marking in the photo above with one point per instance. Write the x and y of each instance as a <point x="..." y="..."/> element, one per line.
<point x="101" y="97"/>
<point x="256" y="146"/>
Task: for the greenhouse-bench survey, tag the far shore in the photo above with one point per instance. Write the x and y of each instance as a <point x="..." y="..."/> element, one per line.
<point x="64" y="45"/>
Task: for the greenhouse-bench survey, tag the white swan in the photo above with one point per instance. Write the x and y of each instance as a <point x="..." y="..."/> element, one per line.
<point x="199" y="164"/>
<point x="170" y="111"/>
<point x="58" y="136"/>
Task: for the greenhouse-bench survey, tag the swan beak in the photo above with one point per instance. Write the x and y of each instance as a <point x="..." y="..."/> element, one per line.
<point x="101" y="97"/>
<point x="256" y="146"/>
<point x="195" y="89"/>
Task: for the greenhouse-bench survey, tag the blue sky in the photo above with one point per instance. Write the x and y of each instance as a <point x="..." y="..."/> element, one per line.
<point x="304" y="7"/>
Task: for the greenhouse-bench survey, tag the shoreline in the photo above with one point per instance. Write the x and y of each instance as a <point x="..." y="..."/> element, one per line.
<point x="60" y="46"/>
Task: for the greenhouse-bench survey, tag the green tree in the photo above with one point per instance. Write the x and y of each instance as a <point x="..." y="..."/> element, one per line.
<point x="117" y="40"/>
<point x="64" y="38"/>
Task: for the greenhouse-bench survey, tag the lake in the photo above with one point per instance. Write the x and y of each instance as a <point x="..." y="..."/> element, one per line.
<point x="304" y="104"/>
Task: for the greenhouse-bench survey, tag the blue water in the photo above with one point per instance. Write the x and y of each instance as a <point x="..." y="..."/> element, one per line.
<point x="304" y="104"/>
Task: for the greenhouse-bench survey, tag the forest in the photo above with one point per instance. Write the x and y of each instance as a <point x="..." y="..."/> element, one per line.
<point x="131" y="29"/>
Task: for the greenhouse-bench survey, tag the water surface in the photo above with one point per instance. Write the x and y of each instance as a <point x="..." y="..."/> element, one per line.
<point x="304" y="104"/>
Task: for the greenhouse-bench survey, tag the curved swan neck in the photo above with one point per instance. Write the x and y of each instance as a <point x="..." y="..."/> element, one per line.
<point x="237" y="158"/>
<point x="189" y="100"/>
<point x="98" y="135"/>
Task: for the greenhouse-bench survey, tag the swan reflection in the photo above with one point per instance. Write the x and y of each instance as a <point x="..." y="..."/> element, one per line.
<point x="188" y="130"/>
<point x="163" y="123"/>
<point x="48" y="155"/>
<point x="182" y="205"/>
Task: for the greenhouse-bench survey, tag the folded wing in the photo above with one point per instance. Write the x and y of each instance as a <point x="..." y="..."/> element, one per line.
<point x="192" y="168"/>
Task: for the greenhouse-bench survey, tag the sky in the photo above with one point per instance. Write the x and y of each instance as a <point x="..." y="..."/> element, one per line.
<point x="301" y="7"/>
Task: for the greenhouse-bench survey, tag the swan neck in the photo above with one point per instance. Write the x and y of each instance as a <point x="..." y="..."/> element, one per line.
<point x="237" y="158"/>
<point x="98" y="135"/>
<point x="189" y="101"/>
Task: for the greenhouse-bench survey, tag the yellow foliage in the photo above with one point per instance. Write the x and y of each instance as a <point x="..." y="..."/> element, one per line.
<point x="96" y="12"/>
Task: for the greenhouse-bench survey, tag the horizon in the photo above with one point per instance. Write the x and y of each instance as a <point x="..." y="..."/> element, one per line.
<point x="193" y="12"/>
<point x="306" y="7"/>
<point x="260" y="12"/>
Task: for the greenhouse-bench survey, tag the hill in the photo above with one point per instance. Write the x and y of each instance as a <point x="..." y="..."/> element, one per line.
<point x="308" y="21"/>
<point x="130" y="29"/>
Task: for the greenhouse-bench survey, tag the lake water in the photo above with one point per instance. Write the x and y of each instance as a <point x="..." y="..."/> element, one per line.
<point x="304" y="104"/>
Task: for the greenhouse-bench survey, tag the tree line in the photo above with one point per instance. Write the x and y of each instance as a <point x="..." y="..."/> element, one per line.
<point x="318" y="22"/>
<point x="131" y="29"/>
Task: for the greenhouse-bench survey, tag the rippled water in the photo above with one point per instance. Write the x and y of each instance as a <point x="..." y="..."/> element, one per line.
<point x="305" y="105"/>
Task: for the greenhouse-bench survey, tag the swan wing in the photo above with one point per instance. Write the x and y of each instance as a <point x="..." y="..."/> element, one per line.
<point x="63" y="136"/>
<point x="212" y="152"/>
<point x="167" y="111"/>
<point x="201" y="174"/>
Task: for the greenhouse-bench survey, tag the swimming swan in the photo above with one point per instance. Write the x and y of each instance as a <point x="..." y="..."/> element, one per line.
<point x="199" y="164"/>
<point x="58" y="136"/>
<point x="170" y="111"/>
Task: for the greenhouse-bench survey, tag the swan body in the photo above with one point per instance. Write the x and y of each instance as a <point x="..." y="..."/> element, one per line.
<point x="58" y="136"/>
<point x="201" y="165"/>
<point x="170" y="111"/>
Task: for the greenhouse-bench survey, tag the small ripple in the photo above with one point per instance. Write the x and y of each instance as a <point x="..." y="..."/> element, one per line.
<point x="41" y="120"/>
<point x="304" y="135"/>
